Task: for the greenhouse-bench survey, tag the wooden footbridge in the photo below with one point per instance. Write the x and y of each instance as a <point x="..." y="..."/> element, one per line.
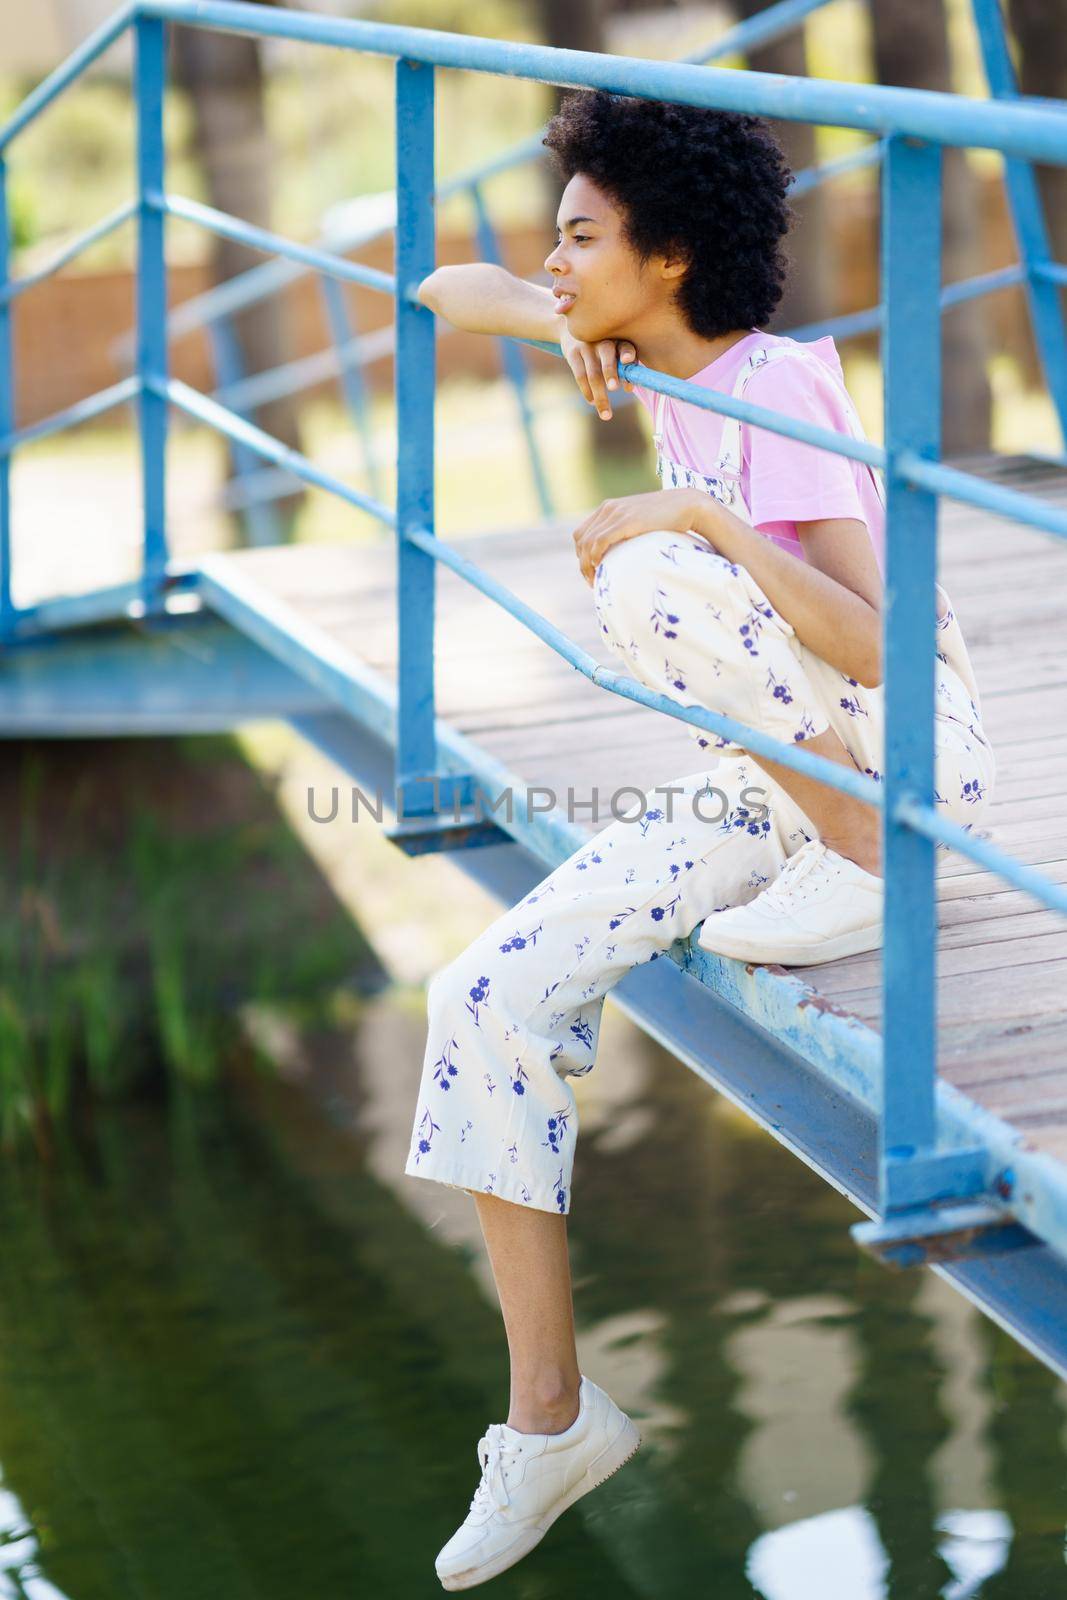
<point x="928" y="1081"/>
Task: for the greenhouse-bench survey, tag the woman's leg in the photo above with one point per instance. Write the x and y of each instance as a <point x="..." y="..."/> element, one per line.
<point x="964" y="762"/>
<point x="518" y="1013"/>
<point x="851" y="827"/>
<point x="530" y="990"/>
<point x="528" y="1254"/>
<point x="699" y="628"/>
<point x="964" y="773"/>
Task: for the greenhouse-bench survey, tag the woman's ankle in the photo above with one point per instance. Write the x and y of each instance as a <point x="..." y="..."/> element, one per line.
<point x="530" y="1418"/>
<point x="860" y="848"/>
<point x="854" y="831"/>
<point x="546" y="1406"/>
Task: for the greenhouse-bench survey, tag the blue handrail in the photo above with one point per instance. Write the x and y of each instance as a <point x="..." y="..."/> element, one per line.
<point x="17" y="286"/>
<point x="915" y="1170"/>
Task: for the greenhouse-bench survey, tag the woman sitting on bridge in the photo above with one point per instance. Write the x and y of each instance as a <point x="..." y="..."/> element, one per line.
<point x="751" y="584"/>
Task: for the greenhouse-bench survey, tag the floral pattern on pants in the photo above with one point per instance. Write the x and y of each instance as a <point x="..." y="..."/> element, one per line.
<point x="517" y="1014"/>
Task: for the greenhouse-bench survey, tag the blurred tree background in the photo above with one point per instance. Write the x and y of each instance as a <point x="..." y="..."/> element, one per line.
<point x="223" y="76"/>
<point x="279" y="133"/>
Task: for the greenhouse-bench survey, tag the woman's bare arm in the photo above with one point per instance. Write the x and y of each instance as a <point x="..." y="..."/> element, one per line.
<point x="839" y="622"/>
<point x="485" y="298"/>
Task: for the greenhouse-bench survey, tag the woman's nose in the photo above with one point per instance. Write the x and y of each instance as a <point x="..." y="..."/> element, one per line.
<point x="551" y="265"/>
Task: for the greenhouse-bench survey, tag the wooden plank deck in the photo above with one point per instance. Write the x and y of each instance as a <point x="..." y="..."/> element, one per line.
<point x="1002" y="967"/>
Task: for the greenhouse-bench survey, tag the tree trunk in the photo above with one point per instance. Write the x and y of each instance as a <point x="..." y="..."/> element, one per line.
<point x="223" y="76"/>
<point x="572" y="25"/>
<point x="807" y="293"/>
<point x="911" y="51"/>
<point x="1039" y="28"/>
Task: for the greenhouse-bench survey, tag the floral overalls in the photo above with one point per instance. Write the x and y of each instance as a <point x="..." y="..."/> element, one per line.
<point x="517" y="1014"/>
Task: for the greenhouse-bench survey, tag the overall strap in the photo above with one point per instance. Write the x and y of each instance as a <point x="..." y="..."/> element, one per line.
<point x="730" y="449"/>
<point x="723" y="483"/>
<point x="657" y="421"/>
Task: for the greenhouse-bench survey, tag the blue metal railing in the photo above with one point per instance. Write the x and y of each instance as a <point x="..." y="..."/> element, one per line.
<point x="213" y="309"/>
<point x="912" y="126"/>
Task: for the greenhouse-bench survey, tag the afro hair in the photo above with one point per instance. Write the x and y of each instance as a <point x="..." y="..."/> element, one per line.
<point x="709" y="185"/>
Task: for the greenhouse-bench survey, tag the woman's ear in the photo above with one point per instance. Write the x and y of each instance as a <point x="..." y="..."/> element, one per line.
<point x="673" y="266"/>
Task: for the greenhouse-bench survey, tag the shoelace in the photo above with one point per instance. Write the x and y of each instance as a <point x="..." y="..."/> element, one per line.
<point x="493" y="1449"/>
<point x="808" y="864"/>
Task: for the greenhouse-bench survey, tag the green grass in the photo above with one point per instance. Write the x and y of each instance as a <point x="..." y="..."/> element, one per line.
<point x="154" y="891"/>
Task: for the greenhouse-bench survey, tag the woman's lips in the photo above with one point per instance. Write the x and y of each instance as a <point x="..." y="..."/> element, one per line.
<point x="563" y="303"/>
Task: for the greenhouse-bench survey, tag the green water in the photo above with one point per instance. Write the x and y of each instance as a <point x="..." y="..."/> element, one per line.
<point x="243" y="1356"/>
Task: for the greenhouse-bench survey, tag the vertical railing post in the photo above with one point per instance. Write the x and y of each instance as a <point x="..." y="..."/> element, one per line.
<point x="260" y="518"/>
<point x="1028" y="217"/>
<point x="421" y="790"/>
<point x="7" y="414"/>
<point x="416" y="252"/>
<point x="149" y="79"/>
<point x="911" y="356"/>
<point x="353" y="387"/>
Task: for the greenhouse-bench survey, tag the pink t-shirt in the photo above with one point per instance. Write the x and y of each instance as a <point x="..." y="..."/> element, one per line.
<point x="783" y="481"/>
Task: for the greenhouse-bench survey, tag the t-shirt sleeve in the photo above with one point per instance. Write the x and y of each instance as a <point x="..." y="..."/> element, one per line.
<point x="789" y="481"/>
<point x="646" y="398"/>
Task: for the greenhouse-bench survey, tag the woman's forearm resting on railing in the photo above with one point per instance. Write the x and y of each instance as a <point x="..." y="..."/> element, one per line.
<point x="485" y="298"/>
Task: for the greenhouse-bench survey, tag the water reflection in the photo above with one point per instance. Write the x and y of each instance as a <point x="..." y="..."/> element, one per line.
<point x="242" y="1354"/>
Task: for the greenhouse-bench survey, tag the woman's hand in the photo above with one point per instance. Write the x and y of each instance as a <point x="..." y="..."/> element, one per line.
<point x="677" y="510"/>
<point x="595" y="367"/>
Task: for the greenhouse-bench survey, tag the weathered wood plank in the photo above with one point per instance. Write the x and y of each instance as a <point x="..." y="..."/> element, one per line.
<point x="1022" y="992"/>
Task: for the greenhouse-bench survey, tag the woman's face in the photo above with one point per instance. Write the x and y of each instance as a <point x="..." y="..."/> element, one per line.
<point x="614" y="292"/>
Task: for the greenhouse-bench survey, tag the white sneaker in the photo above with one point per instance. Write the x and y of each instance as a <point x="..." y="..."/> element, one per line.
<point x="821" y="906"/>
<point x="528" y="1480"/>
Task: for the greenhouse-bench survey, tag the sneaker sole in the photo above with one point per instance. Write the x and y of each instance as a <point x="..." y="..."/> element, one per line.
<point x="846" y="944"/>
<point x="622" y="1448"/>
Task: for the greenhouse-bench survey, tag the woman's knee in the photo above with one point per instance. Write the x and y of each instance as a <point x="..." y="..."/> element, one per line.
<point x="625" y="568"/>
<point x="450" y="986"/>
<point x="962" y="789"/>
<point x="438" y="987"/>
<point x="477" y="986"/>
<point x="645" y="586"/>
<point x="968" y="800"/>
